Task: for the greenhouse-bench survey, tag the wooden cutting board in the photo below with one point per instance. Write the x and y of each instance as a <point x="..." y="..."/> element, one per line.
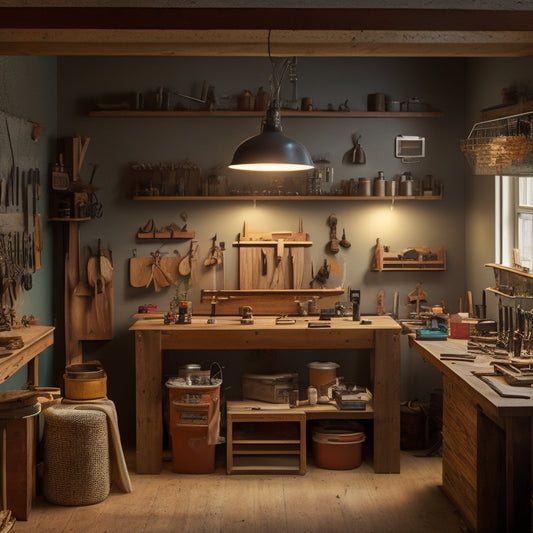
<point x="141" y="269"/>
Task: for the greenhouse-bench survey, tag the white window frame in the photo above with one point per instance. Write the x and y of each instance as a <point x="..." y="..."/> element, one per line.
<point x="507" y="209"/>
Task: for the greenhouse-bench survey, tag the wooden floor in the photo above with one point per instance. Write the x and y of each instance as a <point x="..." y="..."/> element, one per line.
<point x="321" y="501"/>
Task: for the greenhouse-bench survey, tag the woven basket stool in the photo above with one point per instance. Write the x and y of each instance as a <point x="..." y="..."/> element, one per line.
<point x="76" y="456"/>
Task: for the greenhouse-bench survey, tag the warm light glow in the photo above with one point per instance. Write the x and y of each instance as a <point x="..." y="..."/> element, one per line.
<point x="271" y="167"/>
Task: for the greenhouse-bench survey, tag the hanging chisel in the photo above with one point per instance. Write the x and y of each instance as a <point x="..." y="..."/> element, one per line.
<point x="3" y="192"/>
<point x="11" y="178"/>
<point x="30" y="203"/>
<point x="18" y="191"/>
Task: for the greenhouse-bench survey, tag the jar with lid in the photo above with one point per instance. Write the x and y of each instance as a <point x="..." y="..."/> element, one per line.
<point x="312" y="395"/>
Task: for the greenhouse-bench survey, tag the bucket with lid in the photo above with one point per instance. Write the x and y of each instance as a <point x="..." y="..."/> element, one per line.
<point x="321" y="376"/>
<point x="338" y="447"/>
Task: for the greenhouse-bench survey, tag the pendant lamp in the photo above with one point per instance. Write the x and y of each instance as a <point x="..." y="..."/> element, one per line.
<point x="271" y="150"/>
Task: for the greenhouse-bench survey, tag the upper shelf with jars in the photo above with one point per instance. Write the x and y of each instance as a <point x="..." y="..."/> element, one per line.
<point x="284" y="113"/>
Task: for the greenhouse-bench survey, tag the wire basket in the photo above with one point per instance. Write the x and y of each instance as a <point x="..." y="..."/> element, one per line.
<point x="499" y="144"/>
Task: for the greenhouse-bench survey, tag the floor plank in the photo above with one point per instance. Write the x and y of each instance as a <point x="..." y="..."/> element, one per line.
<point x="321" y="500"/>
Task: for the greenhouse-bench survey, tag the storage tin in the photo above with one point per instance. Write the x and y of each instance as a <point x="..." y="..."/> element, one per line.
<point x="272" y="388"/>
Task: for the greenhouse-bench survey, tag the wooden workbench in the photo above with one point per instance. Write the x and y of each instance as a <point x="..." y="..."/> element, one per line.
<point x="486" y="452"/>
<point x="36" y="339"/>
<point x="381" y="337"/>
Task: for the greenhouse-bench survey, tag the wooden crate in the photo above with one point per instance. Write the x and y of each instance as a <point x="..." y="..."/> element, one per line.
<point x="265" y="441"/>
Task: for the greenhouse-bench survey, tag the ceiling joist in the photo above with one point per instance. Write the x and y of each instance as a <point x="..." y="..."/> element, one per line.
<point x="244" y="32"/>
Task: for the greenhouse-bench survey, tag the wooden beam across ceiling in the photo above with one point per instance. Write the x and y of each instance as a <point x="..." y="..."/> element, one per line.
<point x="243" y="32"/>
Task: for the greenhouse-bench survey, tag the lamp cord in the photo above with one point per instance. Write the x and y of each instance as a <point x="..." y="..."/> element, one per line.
<point x="276" y="80"/>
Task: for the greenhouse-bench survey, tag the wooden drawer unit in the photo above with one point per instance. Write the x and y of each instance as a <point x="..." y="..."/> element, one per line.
<point x="265" y="441"/>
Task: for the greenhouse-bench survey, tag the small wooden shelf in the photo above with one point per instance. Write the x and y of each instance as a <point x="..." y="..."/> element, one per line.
<point x="502" y="111"/>
<point x="284" y="113"/>
<point x="381" y="263"/>
<point x="69" y="219"/>
<point x="165" y="236"/>
<point x="511" y="283"/>
<point x="500" y="293"/>
<point x="295" y="198"/>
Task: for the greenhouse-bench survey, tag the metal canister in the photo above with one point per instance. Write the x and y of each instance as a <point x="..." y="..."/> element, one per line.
<point x="379" y="184"/>
<point x="390" y="188"/>
<point x="406" y="188"/>
<point x="364" y="187"/>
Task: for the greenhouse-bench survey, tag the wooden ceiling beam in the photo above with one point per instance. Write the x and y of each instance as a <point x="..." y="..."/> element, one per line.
<point x="244" y="32"/>
<point x="254" y="43"/>
<point x="266" y="18"/>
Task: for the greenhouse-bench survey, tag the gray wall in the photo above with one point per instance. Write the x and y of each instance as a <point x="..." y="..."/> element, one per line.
<point x="28" y="93"/>
<point x="118" y="142"/>
<point x="463" y="221"/>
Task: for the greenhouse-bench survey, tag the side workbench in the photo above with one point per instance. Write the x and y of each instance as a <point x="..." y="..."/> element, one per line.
<point x="19" y="435"/>
<point x="486" y="451"/>
<point x="381" y="338"/>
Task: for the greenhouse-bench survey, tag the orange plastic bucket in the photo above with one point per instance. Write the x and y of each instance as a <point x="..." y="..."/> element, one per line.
<point x="337" y="448"/>
<point x="191" y="454"/>
<point x="192" y="409"/>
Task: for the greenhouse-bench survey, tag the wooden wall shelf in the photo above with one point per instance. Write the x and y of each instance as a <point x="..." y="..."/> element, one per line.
<point x="511" y="282"/>
<point x="284" y="113"/>
<point x="502" y="111"/>
<point x="383" y="263"/>
<point x="285" y="198"/>
<point x="165" y="236"/>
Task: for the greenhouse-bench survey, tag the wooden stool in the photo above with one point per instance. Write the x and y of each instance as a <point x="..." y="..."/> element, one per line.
<point x="18" y="444"/>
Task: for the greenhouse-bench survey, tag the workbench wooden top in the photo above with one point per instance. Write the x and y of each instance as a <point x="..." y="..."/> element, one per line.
<point x="36" y="338"/>
<point x="229" y="334"/>
<point x="466" y="372"/>
<point x="267" y="323"/>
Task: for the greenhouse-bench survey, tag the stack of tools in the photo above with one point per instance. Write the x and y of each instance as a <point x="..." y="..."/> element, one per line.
<point x="515" y="330"/>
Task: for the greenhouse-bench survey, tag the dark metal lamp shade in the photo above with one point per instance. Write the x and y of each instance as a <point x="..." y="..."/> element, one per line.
<point x="271" y="150"/>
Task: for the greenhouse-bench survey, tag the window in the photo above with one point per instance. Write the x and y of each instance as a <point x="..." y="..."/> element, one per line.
<point x="514" y="220"/>
<point x="524" y="221"/>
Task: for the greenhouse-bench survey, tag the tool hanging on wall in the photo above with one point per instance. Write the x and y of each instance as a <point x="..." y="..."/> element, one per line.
<point x="358" y="154"/>
<point x="344" y="242"/>
<point x="333" y="241"/>
<point x="159" y="269"/>
<point x="322" y="275"/>
<point x="214" y="256"/>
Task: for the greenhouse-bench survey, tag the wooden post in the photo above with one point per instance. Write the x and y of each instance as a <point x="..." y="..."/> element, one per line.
<point x="73" y="347"/>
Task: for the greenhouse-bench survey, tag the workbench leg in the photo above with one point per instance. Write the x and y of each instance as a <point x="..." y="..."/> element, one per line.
<point x="518" y="465"/>
<point x="33" y="372"/>
<point x="3" y="458"/>
<point x="229" y="443"/>
<point x="149" y="414"/>
<point x="386" y="362"/>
